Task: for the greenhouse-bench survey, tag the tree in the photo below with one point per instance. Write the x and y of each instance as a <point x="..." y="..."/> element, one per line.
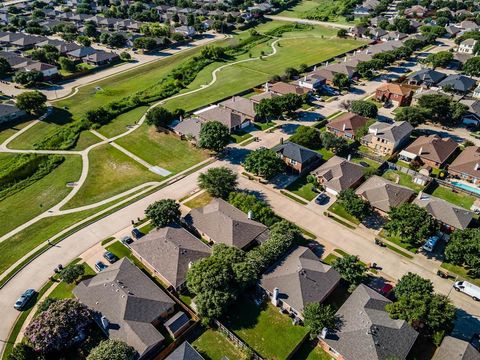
<point x="218" y="182"/>
<point x="56" y="328"/>
<point x="291" y="73"/>
<point x="112" y="350"/>
<point x="145" y="43"/>
<point x="411" y="223"/>
<point x="411" y="284"/>
<point x="22" y="351"/>
<point x="354" y="204"/>
<point x="66" y="64"/>
<point x="90" y="30"/>
<point x="351" y="269"/>
<point x="71" y="273"/>
<point x="318" y="316"/>
<point x="307" y="136"/>
<point x="163" y="212"/>
<point x="32" y="102"/>
<point x="440" y="108"/>
<point x="332" y="142"/>
<point x="5" y="67"/>
<point x="27" y="78"/>
<point x="364" y="108"/>
<point x="414" y="115"/>
<point x="342" y="33"/>
<point x="159" y="117"/>
<point x="45" y="304"/>
<point x="440" y="59"/>
<point x="84" y="40"/>
<point x="267" y="109"/>
<point x="464" y="249"/>
<point x="125" y="56"/>
<point x="117" y="40"/>
<point x="259" y="209"/>
<point x="341" y="81"/>
<point x="263" y="162"/>
<point x="214" y="136"/>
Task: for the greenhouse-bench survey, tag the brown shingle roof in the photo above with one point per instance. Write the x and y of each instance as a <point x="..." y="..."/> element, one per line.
<point x="339" y="174"/>
<point x="433" y="148"/>
<point x="348" y="122"/>
<point x="240" y="104"/>
<point x="285" y="88"/>
<point x="226" y="116"/>
<point x="395" y="89"/>
<point x="468" y="162"/>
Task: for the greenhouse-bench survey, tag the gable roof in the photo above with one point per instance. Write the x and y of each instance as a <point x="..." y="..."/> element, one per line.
<point x="284" y="88"/>
<point x="367" y="332"/>
<point x="264" y="95"/>
<point x="395" y="89"/>
<point x="433" y="147"/>
<point x="383" y="194"/>
<point x="6" y="109"/>
<point x="240" y="104"/>
<point x="170" y="250"/>
<point x="225" y="116"/>
<point x="348" y="122"/>
<point x="301" y="278"/>
<point x="101" y="55"/>
<point x="296" y="152"/>
<point x="129" y="300"/>
<point x="189" y="127"/>
<point x="427" y="75"/>
<point x="468" y="162"/>
<point x="224" y="223"/>
<point x="456" y="349"/>
<point x="394" y="132"/>
<point x="185" y="352"/>
<point x="458" y="82"/>
<point x="82" y="52"/>
<point x="446" y="212"/>
<point x="339" y="174"/>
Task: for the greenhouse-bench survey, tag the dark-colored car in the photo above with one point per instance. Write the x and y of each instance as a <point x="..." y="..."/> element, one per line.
<point x="111" y="258"/>
<point x="127" y="240"/>
<point x="100" y="266"/>
<point x="322" y="198"/>
<point x="24" y="299"/>
<point x="137" y="234"/>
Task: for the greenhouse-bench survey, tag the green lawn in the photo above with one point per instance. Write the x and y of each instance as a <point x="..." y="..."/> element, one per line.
<point x="311" y="351"/>
<point x="111" y="172"/>
<point x="358" y="159"/>
<point x="213" y="345"/>
<point x="199" y="200"/>
<point x="39" y="196"/>
<point x="404" y="179"/>
<point x="9" y="129"/>
<point x="302" y="188"/>
<point x="64" y="290"/>
<point x="460" y="271"/>
<point x="304" y="7"/>
<point x="459" y="199"/>
<point x="339" y="210"/>
<point x="238" y="137"/>
<point x="120" y="124"/>
<point x="267" y="331"/>
<point x="330" y="258"/>
<point x="264" y="126"/>
<point x="326" y="154"/>
<point x="119" y="250"/>
<point x="398" y="241"/>
<point x="161" y="149"/>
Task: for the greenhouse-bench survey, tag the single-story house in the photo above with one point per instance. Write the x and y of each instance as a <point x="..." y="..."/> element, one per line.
<point x="80" y="53"/>
<point x="312" y="81"/>
<point x="472" y="116"/>
<point x="451" y="217"/>
<point x="400" y="94"/>
<point x="187" y="31"/>
<point x="339" y="174"/>
<point x="298" y="158"/>
<point x="185" y="352"/>
<point x="188" y="128"/>
<point x="9" y="112"/>
<point x="346" y="125"/>
<point x="299" y="279"/>
<point x="263" y="95"/>
<point x="101" y="58"/>
<point x="367" y="332"/>
<point x="432" y="150"/>
<point x="220" y="222"/>
<point x="168" y="253"/>
<point x="427" y="77"/>
<point x="456" y="349"/>
<point x="240" y="105"/>
<point x="383" y="195"/>
<point x="459" y="83"/>
<point x="467" y="46"/>
<point x="386" y="138"/>
<point x="467" y="165"/>
<point x="130" y="306"/>
<point x="232" y="120"/>
<point x="283" y="88"/>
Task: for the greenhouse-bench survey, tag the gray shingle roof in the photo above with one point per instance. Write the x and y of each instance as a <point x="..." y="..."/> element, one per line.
<point x="185" y="352"/>
<point x="224" y="223"/>
<point x="189" y="127"/>
<point x="367" y="332"/>
<point x="339" y="174"/>
<point x="444" y="211"/>
<point x="169" y="251"/>
<point x="129" y="300"/>
<point x="458" y="82"/>
<point x="226" y="116"/>
<point x="6" y="109"/>
<point x="428" y="76"/>
<point x="301" y="279"/>
<point x="456" y="349"/>
<point x="296" y="152"/>
<point x="394" y="132"/>
<point x="240" y="104"/>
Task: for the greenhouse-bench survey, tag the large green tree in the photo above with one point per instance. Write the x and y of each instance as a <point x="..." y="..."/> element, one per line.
<point x="414" y="115"/>
<point x="440" y="59"/>
<point x="464" y="249"/>
<point x="163" y="212"/>
<point x="264" y="162"/>
<point x="214" y="136"/>
<point x="71" y="273"/>
<point x="364" y="108"/>
<point x="318" y="316"/>
<point x="32" y="102"/>
<point x="259" y="209"/>
<point x="5" y="67"/>
<point x="472" y="66"/>
<point x="411" y="284"/>
<point x="159" y="117"/>
<point x="354" y="204"/>
<point x="341" y="81"/>
<point x="218" y="181"/>
<point x="112" y="349"/>
<point x="307" y="136"/>
<point x="351" y="269"/>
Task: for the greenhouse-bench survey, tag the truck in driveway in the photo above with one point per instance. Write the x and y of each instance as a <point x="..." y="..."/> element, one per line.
<point x="469" y="289"/>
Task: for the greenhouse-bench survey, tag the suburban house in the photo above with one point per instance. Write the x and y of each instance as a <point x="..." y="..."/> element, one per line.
<point x="241" y="106"/>
<point x="80" y="53"/>
<point x="188" y="128"/>
<point x="417" y="11"/>
<point x="367" y="332"/>
<point x="263" y="95"/>
<point x="458" y="83"/>
<point x="452" y="31"/>
<point x="472" y="116"/>
<point x="432" y="150"/>
<point x="346" y="125"/>
<point x="427" y="77"/>
<point x="467" y="46"/>
<point x="220" y="222"/>
<point x="185" y="352"/>
<point x="476" y="92"/>
<point x="456" y="349"/>
<point x="168" y="252"/>
<point x="469" y="25"/>
<point x="100" y="58"/>
<point x="227" y="117"/>
<point x="451" y="217"/>
<point x="339" y="174"/>
<point x="130" y="306"/>
<point x="467" y="165"/>
<point x="342" y="68"/>
<point x="385" y="138"/>
<point x="312" y="81"/>
<point x="299" y="279"/>
<point x="10" y="112"/>
<point x="283" y="88"/>
<point x="399" y="94"/>
<point x="383" y="195"/>
<point x="297" y="158"/>
<point x="186" y="31"/>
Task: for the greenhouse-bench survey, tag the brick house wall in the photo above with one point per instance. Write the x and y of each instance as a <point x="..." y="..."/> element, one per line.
<point x="387" y="95"/>
<point x="329" y="350"/>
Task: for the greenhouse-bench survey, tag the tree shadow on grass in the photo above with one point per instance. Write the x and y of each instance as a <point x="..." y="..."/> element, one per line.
<point x="243" y="314"/>
<point x="59" y="116"/>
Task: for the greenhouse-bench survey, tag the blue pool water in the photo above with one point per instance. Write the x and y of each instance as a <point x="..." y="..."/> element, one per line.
<point x="466" y="187"/>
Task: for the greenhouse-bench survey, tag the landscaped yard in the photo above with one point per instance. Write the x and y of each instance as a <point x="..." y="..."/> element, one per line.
<point x="360" y="159"/>
<point x="461" y="271"/>
<point x="398" y="241"/>
<point x="303" y="188"/>
<point x="457" y="198"/>
<point x="268" y="332"/>
<point x="264" y="126"/>
<point x="339" y="210"/>
<point x="311" y="351"/>
<point x="326" y="154"/>
<point x="238" y="137"/>
<point x="213" y="345"/>
<point x="199" y="200"/>
<point x="64" y="290"/>
<point x="404" y="179"/>
<point x="111" y="172"/>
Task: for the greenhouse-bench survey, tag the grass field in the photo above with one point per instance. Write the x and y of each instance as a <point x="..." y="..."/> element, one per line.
<point x="458" y="198"/>
<point x="404" y="179"/>
<point x="111" y="172"/>
<point x="213" y="345"/>
<point x="199" y="200"/>
<point x="307" y="6"/>
<point x="64" y="290"/>
<point x="311" y="351"/>
<point x="302" y="188"/>
<point x="398" y="241"/>
<point x="162" y="149"/>
<point x="39" y="196"/>
<point x="119" y="124"/>
<point x="339" y="210"/>
<point x="267" y="331"/>
<point x="8" y="130"/>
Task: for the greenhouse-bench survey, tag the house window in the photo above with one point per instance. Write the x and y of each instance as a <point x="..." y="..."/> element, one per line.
<point x="293" y="162"/>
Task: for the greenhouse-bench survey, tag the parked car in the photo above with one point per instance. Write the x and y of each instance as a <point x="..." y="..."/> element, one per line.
<point x="322" y="198"/>
<point x="137" y="234"/>
<point x="58" y="269"/>
<point x="126" y="240"/>
<point x="431" y="243"/>
<point x="467" y="288"/>
<point x="24" y="299"/>
<point x="111" y="258"/>
<point x="100" y="266"/>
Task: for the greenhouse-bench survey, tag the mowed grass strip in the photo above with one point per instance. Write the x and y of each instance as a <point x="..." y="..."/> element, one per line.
<point x="110" y="173"/>
<point x="39" y="196"/>
<point x="213" y="345"/>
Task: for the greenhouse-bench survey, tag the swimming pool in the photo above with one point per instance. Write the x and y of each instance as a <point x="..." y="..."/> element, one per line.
<point x="466" y="187"/>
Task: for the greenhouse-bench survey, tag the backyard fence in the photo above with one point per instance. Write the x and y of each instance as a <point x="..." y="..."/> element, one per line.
<point x="236" y="340"/>
<point x="371" y="157"/>
<point x="405" y="170"/>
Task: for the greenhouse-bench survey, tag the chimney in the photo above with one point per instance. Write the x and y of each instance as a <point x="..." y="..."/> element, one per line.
<point x="420" y="151"/>
<point x="276" y="291"/>
<point x="324" y="333"/>
<point x="375" y="131"/>
<point x="344" y="127"/>
<point x="105" y="322"/>
<point x="181" y="118"/>
<point x="477" y="166"/>
<point x="266" y="86"/>
<point x="233" y="98"/>
<point x="281" y="140"/>
<point x="349" y="157"/>
<point x="315" y="68"/>
<point x="250" y="214"/>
